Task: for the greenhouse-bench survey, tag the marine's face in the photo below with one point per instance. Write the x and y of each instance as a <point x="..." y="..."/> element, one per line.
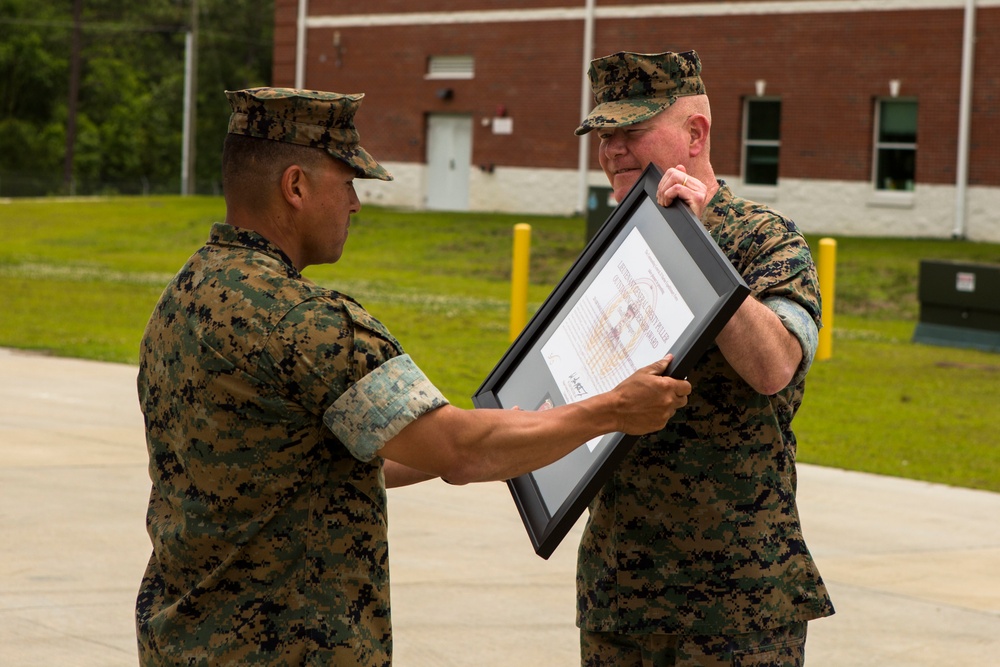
<point x="332" y="204"/>
<point x="627" y="150"/>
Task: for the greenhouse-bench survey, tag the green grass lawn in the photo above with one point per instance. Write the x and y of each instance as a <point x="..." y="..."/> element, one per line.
<point x="80" y="279"/>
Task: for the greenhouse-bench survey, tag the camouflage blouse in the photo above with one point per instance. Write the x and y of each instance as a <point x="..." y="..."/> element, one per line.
<point x="265" y="400"/>
<point x="698" y="532"/>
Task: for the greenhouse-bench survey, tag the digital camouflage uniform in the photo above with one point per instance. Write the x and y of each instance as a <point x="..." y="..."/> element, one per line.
<point x="697" y="533"/>
<point x="266" y="398"/>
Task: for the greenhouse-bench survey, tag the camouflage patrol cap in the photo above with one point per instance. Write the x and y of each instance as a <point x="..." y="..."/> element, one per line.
<point x="306" y="118"/>
<point x="633" y="87"/>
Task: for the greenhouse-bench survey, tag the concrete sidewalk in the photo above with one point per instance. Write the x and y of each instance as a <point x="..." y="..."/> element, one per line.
<point x="912" y="567"/>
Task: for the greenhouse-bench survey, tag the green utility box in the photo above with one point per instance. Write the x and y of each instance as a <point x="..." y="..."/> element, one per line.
<point x="959" y="305"/>
<point x="600" y="205"/>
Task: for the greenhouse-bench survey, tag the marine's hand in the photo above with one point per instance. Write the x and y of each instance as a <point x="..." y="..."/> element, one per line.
<point x="647" y="399"/>
<point x="676" y="183"/>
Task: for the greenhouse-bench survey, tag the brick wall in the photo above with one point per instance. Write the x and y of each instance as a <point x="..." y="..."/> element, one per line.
<point x="828" y="70"/>
<point x="285" y="17"/>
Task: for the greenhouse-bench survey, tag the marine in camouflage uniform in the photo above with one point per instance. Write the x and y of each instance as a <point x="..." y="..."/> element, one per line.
<point x="694" y="545"/>
<point x="276" y="412"/>
<point x="265" y="399"/>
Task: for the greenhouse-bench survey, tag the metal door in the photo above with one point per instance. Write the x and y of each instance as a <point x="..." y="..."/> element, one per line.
<point x="449" y="157"/>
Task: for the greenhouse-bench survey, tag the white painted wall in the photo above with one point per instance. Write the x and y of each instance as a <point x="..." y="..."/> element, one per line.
<point x="851" y="208"/>
<point x="837" y="208"/>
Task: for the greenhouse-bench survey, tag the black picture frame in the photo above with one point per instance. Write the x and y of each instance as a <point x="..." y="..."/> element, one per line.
<point x="551" y="499"/>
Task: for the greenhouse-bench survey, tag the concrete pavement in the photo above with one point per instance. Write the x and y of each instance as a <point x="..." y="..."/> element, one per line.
<point x="912" y="567"/>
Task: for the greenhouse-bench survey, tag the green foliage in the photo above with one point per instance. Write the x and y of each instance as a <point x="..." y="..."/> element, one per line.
<point x="130" y="105"/>
<point x="80" y="279"/>
<point x="33" y="63"/>
<point x="34" y="60"/>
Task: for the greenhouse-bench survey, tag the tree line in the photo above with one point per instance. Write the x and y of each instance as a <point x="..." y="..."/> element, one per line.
<point x="117" y="125"/>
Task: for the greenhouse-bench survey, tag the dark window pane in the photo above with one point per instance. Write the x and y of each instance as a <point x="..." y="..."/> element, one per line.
<point x="898" y="122"/>
<point x="762" y="165"/>
<point x="764" y="120"/>
<point x="896" y="169"/>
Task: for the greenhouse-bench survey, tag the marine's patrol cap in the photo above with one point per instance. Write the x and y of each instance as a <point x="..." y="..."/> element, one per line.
<point x="306" y="118"/>
<point x="633" y="87"/>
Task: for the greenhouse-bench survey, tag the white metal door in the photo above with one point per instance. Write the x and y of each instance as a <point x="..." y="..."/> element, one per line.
<point x="449" y="157"/>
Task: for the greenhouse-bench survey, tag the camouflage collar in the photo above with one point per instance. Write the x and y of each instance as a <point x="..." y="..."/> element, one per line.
<point x="224" y="234"/>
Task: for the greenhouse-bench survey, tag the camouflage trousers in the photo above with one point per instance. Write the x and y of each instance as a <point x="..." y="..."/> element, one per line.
<point x="780" y="647"/>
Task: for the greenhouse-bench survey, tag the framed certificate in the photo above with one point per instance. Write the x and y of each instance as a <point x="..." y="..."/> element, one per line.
<point x="650" y="281"/>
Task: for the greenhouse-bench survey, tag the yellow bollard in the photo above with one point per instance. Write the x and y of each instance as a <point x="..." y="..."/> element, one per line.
<point x="827" y="267"/>
<point x="519" y="279"/>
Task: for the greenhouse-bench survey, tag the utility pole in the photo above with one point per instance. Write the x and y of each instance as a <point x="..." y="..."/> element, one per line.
<point x="190" y="104"/>
<point x="586" y="98"/>
<point x="74" y="94"/>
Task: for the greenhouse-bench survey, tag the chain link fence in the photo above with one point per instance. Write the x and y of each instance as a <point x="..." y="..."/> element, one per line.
<point x="13" y="185"/>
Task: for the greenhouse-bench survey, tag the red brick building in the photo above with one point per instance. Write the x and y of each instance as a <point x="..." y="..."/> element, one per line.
<point x="848" y="115"/>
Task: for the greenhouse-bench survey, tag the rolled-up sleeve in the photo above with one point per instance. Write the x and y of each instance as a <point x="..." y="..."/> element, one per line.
<point x="376" y="408"/>
<point x="800" y="324"/>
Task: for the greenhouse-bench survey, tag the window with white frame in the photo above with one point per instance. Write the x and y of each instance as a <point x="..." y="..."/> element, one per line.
<point x="451" y="67"/>
<point x="761" y="140"/>
<point x="895" y="144"/>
